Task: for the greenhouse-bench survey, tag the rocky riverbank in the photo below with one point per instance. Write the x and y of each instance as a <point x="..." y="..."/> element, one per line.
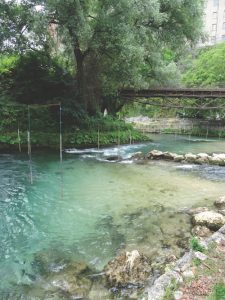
<point x="194" y="275"/>
<point x="133" y="274"/>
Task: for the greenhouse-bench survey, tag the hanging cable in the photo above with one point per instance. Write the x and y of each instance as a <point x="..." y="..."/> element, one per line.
<point x="29" y="145"/>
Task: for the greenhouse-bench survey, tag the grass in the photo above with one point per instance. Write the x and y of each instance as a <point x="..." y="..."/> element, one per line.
<point x="218" y="292"/>
<point x="195" y="245"/>
<point x="169" y="294"/>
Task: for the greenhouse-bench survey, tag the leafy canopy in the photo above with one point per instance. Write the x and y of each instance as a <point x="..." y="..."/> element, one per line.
<point x="110" y="43"/>
<point x="208" y="69"/>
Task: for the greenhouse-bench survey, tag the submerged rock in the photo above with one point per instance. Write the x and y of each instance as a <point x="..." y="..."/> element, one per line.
<point x="71" y="280"/>
<point x="113" y="158"/>
<point x="49" y="260"/>
<point x="129" y="268"/>
<point x="138" y="156"/>
<point x="210" y="219"/>
<point x="194" y="211"/>
<point x="220" y="203"/>
<point x="201" y="231"/>
<point x="190" y="158"/>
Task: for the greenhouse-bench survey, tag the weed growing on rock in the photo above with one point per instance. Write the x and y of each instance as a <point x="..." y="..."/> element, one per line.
<point x="195" y="245"/>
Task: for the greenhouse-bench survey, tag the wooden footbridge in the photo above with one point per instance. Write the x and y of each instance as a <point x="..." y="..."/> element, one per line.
<point x="197" y="93"/>
<point x="215" y="97"/>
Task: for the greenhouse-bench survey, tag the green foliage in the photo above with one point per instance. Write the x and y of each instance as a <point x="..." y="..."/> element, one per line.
<point x="78" y="139"/>
<point x="111" y="44"/>
<point x="208" y="68"/>
<point x="34" y="78"/>
<point x="195" y="245"/>
<point x="218" y="292"/>
<point x="45" y="128"/>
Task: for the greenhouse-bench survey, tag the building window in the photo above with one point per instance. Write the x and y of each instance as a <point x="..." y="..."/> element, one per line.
<point x="214" y="27"/>
<point x="215" y="15"/>
<point x="215" y="3"/>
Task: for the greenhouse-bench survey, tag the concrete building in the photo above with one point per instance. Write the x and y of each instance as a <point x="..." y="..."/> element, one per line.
<point x="215" y="21"/>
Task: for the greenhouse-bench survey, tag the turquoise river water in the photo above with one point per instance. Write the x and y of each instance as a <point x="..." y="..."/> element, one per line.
<point x="94" y="208"/>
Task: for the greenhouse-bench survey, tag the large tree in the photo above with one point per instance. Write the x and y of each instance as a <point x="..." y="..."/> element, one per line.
<point x="113" y="43"/>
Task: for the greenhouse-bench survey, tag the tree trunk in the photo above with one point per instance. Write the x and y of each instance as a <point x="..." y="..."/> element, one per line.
<point x="81" y="84"/>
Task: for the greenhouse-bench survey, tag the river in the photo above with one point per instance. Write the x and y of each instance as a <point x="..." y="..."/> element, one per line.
<point x="88" y="209"/>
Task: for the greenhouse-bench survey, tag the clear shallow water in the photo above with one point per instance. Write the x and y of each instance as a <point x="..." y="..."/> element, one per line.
<point x="95" y="207"/>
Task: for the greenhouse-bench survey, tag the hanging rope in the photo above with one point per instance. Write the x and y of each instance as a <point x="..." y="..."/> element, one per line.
<point x="98" y="141"/>
<point x="60" y="134"/>
<point x="29" y="145"/>
<point x="118" y="141"/>
<point x="61" y="151"/>
<point x="19" y="139"/>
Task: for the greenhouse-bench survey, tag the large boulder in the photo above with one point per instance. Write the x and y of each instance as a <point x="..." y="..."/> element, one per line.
<point x="219" y="156"/>
<point x="178" y="158"/>
<point x="128" y="268"/>
<point x="220" y="203"/>
<point x="169" y="155"/>
<point x="155" y="154"/>
<point x="210" y="219"/>
<point x="190" y="158"/>
<point x="217" y="159"/>
<point x="203" y="155"/>
<point x="202" y="158"/>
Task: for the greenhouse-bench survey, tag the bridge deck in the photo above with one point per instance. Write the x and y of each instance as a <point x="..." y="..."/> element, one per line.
<point x="213" y="93"/>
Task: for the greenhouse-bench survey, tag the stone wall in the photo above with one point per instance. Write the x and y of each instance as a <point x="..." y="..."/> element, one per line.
<point x="157" y="125"/>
